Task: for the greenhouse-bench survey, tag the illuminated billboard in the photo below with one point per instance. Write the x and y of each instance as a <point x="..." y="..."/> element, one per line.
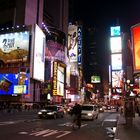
<point x="72" y="43"/>
<point x="115" y="31"/>
<point x="58" y="79"/>
<point x="54" y="51"/>
<point x="115" y="44"/>
<point x="39" y="55"/>
<point x="14" y="83"/>
<point x="95" y="79"/>
<point x="14" y="47"/>
<point x="117" y="79"/>
<point x="135" y="30"/>
<point x="116" y="61"/>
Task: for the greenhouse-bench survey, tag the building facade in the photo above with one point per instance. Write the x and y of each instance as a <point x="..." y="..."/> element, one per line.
<point x="33" y="16"/>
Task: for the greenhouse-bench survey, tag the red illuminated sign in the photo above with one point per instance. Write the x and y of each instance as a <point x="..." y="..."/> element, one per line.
<point x="136" y="46"/>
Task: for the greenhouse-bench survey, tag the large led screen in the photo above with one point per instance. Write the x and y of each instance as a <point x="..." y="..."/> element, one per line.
<point x="14" y="83"/>
<point x="95" y="79"/>
<point x="39" y="55"/>
<point x="115" y="31"/>
<point x="116" y="61"/>
<point x="72" y="43"/>
<point x="115" y="44"/>
<point x="136" y="46"/>
<point x="14" y="47"/>
<point x="117" y="79"/>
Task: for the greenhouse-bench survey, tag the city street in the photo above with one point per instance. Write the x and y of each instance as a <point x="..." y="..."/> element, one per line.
<point x="26" y="125"/>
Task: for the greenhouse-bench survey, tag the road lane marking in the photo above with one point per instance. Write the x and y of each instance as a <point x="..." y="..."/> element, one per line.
<point x="65" y="133"/>
<point x="38" y="133"/>
<point x="51" y="133"/>
<point x="10" y="122"/>
<point x="70" y="124"/>
<point x="23" y="133"/>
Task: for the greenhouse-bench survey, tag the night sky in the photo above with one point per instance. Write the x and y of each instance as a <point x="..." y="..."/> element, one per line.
<point x="106" y="13"/>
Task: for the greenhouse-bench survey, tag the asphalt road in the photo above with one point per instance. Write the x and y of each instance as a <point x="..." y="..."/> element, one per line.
<point x="26" y="126"/>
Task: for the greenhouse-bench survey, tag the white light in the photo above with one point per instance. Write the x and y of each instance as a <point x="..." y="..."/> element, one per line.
<point x="132" y="94"/>
<point x="89" y="114"/>
<point x="39" y="113"/>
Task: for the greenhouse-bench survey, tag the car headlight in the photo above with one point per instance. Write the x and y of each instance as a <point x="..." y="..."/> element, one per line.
<point x="50" y="113"/>
<point x="89" y="114"/>
<point x="39" y="113"/>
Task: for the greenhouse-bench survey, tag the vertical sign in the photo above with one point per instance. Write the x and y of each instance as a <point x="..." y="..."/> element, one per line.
<point x="55" y="65"/>
<point x="79" y="45"/>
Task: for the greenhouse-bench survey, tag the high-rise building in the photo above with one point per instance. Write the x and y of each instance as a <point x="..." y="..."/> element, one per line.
<point x="91" y="59"/>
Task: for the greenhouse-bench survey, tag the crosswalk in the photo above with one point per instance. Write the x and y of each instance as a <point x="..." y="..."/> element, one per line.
<point x="47" y="132"/>
<point x="51" y="132"/>
<point x="44" y="132"/>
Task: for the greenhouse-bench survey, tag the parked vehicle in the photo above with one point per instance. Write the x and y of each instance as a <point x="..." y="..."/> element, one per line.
<point x="51" y="111"/>
<point x="89" y="111"/>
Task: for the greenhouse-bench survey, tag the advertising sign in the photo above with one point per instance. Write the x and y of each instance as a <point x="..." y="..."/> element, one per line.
<point x="72" y="43"/>
<point x="58" y="79"/>
<point x="14" y="47"/>
<point x="136" y="46"/>
<point x="55" y="65"/>
<point x="95" y="79"/>
<point x="14" y="83"/>
<point x="115" y="31"/>
<point x="54" y="51"/>
<point x="115" y="44"/>
<point x="116" y="60"/>
<point x="79" y="45"/>
<point x="117" y="79"/>
<point x="39" y="55"/>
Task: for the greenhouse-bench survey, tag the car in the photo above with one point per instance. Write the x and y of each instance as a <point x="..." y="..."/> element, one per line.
<point x="51" y="111"/>
<point x="89" y="111"/>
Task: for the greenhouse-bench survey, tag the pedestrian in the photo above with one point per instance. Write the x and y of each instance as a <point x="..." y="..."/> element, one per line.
<point x="76" y="114"/>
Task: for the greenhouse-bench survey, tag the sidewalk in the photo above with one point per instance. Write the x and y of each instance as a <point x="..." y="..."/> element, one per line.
<point x="128" y="133"/>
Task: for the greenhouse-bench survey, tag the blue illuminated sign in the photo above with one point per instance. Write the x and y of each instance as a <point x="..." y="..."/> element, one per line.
<point x="14" y="83"/>
<point x="115" y="31"/>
